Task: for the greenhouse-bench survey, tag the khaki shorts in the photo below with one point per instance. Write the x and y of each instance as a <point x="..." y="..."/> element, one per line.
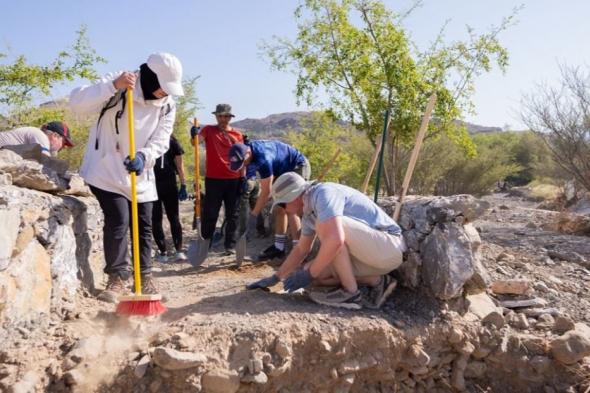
<point x="372" y="252"/>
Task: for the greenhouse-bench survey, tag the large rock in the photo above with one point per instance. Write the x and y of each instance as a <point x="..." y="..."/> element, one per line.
<point x="10" y="219"/>
<point x="65" y="230"/>
<point x="573" y="346"/>
<point x="25" y="286"/>
<point x="171" y="359"/>
<point x="447" y="260"/>
<point x="32" y="174"/>
<point x="443" y="247"/>
<point x="480" y="304"/>
<point x="221" y="381"/>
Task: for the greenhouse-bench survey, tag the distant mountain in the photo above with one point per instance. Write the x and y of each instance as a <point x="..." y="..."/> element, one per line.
<point x="273" y="126"/>
<point x="477" y="129"/>
<point x="277" y="125"/>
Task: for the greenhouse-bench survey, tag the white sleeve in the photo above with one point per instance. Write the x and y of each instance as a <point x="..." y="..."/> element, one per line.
<point x="159" y="142"/>
<point x="90" y="98"/>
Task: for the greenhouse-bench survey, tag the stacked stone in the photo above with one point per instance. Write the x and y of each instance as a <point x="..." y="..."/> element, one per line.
<point x="49" y="237"/>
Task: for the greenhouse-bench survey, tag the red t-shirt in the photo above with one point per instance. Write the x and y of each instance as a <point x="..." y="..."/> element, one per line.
<point x="217" y="144"/>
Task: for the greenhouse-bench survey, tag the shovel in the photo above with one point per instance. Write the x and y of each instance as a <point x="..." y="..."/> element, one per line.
<point x="241" y="244"/>
<point x="199" y="247"/>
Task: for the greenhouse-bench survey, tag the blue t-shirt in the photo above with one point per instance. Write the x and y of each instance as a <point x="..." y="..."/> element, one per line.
<point x="326" y="200"/>
<point x="273" y="158"/>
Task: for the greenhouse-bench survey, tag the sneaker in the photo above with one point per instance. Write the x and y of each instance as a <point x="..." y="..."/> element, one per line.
<point x="229" y="252"/>
<point x="379" y="294"/>
<point x="338" y="298"/>
<point x="271" y="253"/>
<point x="161" y="257"/>
<point x="180" y="256"/>
<point x="116" y="286"/>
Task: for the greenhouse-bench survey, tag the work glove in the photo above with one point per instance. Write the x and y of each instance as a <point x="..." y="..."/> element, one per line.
<point x="251" y="224"/>
<point x="194" y="131"/>
<point x="297" y="280"/>
<point x="243" y="185"/>
<point x="136" y="165"/>
<point x="182" y="195"/>
<point x="264" y="283"/>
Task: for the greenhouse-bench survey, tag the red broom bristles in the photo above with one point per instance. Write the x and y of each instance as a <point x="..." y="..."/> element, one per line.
<point x="140" y="307"/>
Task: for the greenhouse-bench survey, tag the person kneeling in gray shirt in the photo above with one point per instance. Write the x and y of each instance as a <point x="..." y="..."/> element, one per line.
<point x="360" y="243"/>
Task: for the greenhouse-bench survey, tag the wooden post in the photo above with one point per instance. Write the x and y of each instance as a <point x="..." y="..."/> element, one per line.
<point x="414" y="156"/>
<point x="371" y="166"/>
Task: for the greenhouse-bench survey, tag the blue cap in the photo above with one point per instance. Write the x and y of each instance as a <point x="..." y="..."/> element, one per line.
<point x="237" y="154"/>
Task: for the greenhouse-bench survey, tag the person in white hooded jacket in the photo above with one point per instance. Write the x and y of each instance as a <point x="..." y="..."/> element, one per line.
<point x="106" y="164"/>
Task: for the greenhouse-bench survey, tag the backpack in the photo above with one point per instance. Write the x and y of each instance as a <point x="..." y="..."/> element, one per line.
<point x="121" y="97"/>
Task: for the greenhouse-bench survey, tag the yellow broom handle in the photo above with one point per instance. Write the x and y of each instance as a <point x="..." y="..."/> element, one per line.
<point x="134" y="214"/>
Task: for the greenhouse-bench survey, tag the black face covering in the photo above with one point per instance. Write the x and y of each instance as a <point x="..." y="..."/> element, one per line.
<point x="149" y="82"/>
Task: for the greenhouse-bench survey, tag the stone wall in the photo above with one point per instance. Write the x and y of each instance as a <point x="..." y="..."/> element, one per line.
<point x="50" y="242"/>
<point x="443" y="246"/>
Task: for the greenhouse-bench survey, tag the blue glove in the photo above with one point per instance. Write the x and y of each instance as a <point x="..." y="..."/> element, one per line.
<point x="194" y="131"/>
<point x="296" y="280"/>
<point x="182" y="195"/>
<point x="136" y="165"/>
<point x="264" y="283"/>
<point x="251" y="224"/>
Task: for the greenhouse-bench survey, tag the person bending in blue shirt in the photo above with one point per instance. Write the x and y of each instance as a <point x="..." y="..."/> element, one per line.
<point x="359" y="244"/>
<point x="271" y="159"/>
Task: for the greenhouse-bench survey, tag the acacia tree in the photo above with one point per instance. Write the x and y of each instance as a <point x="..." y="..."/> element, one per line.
<point x="186" y="106"/>
<point x="359" y="55"/>
<point x="561" y="116"/>
<point x="20" y="81"/>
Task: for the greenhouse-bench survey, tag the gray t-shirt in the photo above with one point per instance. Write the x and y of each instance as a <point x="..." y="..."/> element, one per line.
<point x="25" y="136"/>
<point x="326" y="200"/>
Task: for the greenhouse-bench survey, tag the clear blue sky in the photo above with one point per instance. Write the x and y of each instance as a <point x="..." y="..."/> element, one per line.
<point x="218" y="40"/>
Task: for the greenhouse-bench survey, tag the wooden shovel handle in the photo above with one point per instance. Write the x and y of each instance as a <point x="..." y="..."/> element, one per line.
<point x="329" y="165"/>
<point x="197" y="172"/>
<point x="414" y="156"/>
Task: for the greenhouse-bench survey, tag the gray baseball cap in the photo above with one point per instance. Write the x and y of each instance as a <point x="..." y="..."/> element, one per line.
<point x="223" y="109"/>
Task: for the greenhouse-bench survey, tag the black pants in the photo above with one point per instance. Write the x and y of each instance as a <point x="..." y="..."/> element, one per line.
<point x="217" y="191"/>
<point x="167" y="196"/>
<point x="117" y="221"/>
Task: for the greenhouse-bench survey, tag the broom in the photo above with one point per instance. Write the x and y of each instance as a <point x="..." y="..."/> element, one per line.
<point x="136" y="304"/>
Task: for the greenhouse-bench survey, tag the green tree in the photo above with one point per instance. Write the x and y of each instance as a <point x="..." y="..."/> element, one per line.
<point x="20" y="81"/>
<point x="319" y="139"/>
<point x="357" y="52"/>
<point x="443" y="169"/>
<point x="186" y="106"/>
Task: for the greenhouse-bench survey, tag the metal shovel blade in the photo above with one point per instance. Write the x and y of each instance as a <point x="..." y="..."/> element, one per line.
<point x="241" y="250"/>
<point x="197" y="251"/>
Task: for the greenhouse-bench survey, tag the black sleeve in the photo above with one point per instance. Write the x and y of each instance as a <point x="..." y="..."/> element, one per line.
<point x="175" y="148"/>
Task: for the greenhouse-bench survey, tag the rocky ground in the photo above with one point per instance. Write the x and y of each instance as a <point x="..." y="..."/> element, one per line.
<point x="218" y="337"/>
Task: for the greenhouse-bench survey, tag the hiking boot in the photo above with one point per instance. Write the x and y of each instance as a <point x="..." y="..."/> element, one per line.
<point x="180" y="256"/>
<point x="116" y="286"/>
<point x="271" y="253"/>
<point x="338" y="298"/>
<point x="148" y="286"/>
<point x="161" y="257"/>
<point x="379" y="294"/>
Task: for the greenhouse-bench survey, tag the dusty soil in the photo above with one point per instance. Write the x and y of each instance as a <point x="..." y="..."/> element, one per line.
<point x="279" y="342"/>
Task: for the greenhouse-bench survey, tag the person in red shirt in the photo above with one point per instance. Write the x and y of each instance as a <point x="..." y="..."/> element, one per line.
<point x="221" y="183"/>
